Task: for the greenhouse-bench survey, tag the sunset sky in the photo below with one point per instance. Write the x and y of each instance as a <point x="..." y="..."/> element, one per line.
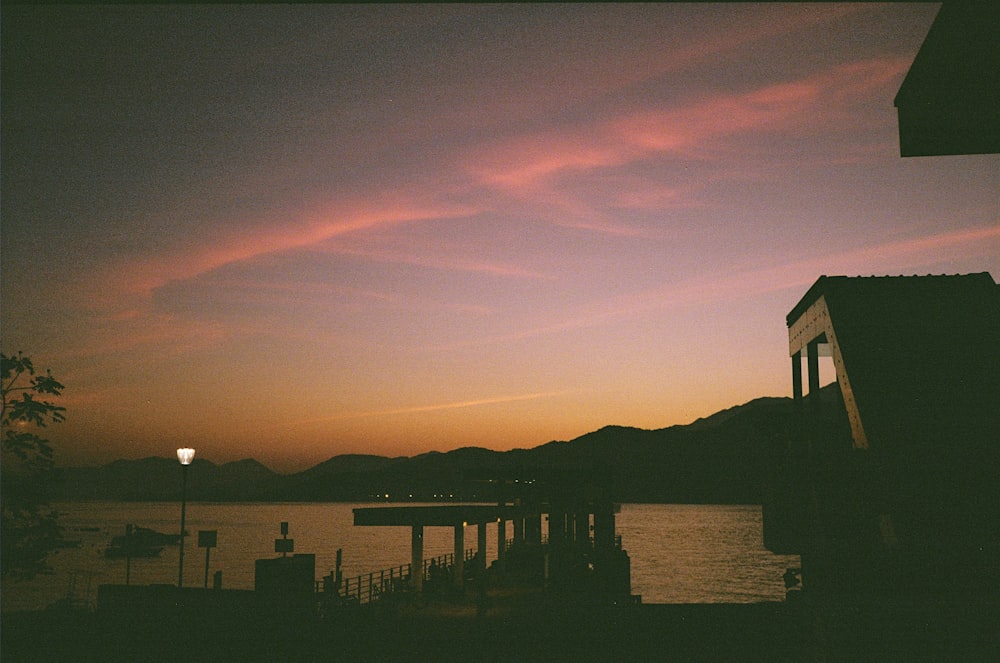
<point x="291" y="232"/>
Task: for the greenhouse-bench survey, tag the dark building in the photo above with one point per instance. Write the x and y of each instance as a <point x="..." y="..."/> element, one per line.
<point x="892" y="483"/>
<point x="948" y="102"/>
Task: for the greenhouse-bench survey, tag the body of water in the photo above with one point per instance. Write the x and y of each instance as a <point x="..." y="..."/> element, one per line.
<point x="679" y="553"/>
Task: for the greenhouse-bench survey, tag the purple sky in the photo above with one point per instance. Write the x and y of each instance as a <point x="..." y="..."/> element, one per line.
<point x="291" y="232"/>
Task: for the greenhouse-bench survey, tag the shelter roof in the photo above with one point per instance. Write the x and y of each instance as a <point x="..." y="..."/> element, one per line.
<point x="922" y="353"/>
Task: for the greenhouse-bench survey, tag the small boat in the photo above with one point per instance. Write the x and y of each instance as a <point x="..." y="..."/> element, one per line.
<point x="144" y="537"/>
<point x="140" y="542"/>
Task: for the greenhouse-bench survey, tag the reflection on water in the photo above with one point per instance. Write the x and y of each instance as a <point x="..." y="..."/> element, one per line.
<point x="701" y="554"/>
<point x="680" y="553"/>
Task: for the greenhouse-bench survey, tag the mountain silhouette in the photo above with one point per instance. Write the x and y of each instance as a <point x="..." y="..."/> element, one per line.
<point x="722" y="458"/>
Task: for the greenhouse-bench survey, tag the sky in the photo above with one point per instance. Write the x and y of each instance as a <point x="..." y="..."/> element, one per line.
<point x="291" y="232"/>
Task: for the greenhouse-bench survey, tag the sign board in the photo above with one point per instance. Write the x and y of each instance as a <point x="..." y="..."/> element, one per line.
<point x="284" y="545"/>
<point x="207" y="538"/>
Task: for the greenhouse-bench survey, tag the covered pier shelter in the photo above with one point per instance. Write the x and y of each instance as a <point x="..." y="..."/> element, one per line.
<point x="892" y="481"/>
<point x="568" y="528"/>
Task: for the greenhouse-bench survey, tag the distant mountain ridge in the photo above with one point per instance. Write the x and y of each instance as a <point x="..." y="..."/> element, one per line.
<point x="721" y="458"/>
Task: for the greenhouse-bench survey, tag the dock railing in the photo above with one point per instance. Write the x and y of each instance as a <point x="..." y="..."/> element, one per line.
<point x="368" y="588"/>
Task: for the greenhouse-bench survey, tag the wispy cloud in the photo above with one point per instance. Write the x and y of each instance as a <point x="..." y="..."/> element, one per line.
<point x="899" y="257"/>
<point x="244" y="242"/>
<point x="888" y="258"/>
<point x="456" y="263"/>
<point x="417" y="409"/>
<point x="535" y="166"/>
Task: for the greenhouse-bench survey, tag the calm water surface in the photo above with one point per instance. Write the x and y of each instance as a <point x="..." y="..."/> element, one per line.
<point x="679" y="553"/>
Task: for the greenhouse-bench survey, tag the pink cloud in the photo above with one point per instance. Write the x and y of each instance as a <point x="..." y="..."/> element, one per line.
<point x="440" y="262"/>
<point x="899" y="257"/>
<point x="121" y="288"/>
<point x="528" y="163"/>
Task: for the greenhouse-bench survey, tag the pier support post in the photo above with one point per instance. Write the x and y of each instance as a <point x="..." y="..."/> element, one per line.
<point x="604" y="529"/>
<point x="557" y="543"/>
<point x="582" y="532"/>
<point x="533" y="528"/>
<point x="481" y="549"/>
<point x="417" y="558"/>
<point x="501" y="543"/>
<point x="518" y="529"/>
<point x="557" y="527"/>
<point x="814" y="557"/>
<point x="458" y="568"/>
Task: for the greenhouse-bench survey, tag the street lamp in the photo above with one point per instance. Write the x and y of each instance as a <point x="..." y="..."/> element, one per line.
<point x="185" y="456"/>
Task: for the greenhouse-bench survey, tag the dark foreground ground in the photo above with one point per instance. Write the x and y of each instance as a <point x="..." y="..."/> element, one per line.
<point x="515" y="628"/>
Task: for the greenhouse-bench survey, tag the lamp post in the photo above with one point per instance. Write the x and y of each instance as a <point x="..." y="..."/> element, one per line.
<point x="185" y="456"/>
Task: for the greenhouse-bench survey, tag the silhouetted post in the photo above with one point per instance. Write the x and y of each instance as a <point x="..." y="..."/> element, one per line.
<point x="481" y="571"/>
<point x="604" y="528"/>
<point x="557" y="527"/>
<point x="582" y="531"/>
<point x="284" y="545"/>
<point x="185" y="456"/>
<point x="501" y="543"/>
<point x="207" y="539"/>
<point x="814" y="555"/>
<point x="458" y="566"/>
<point x="207" y="553"/>
<point x="128" y="553"/>
<point x="533" y="528"/>
<point x="557" y="532"/>
<point x="812" y="361"/>
<point x="417" y="558"/>
<point x="797" y="377"/>
<point x="482" y="548"/>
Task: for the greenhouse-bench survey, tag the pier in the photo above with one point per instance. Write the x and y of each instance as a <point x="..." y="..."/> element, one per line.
<point x="568" y="547"/>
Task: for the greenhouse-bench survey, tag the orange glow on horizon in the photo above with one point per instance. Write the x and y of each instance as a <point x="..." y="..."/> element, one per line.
<point x="491" y="226"/>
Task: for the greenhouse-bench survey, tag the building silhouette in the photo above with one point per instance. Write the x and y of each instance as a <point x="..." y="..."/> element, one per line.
<point x="890" y="485"/>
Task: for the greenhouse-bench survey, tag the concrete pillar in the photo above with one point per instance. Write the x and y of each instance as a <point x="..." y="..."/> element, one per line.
<point x="812" y="360"/>
<point x="417" y="558"/>
<point x="458" y="568"/>
<point x="482" y="546"/>
<point x="815" y="555"/>
<point x="557" y="527"/>
<point x="519" y="529"/>
<point x="582" y="532"/>
<point x="797" y="376"/>
<point x="604" y="529"/>
<point x="501" y="543"/>
<point x="557" y="541"/>
<point x="533" y="528"/>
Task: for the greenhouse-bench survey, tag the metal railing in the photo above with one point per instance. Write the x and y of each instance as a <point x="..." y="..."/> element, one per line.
<point x="368" y="588"/>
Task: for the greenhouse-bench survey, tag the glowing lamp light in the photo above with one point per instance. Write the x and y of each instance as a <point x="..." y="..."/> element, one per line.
<point x="185" y="456"/>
